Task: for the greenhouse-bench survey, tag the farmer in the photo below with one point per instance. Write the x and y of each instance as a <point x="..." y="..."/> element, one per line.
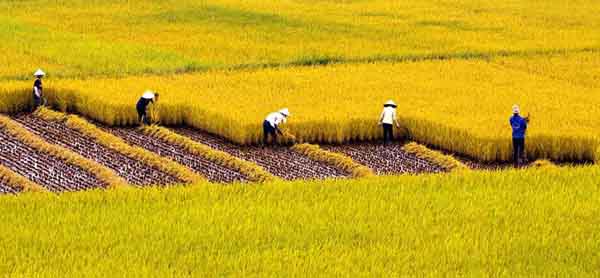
<point x="387" y="120"/>
<point x="38" y="96"/>
<point x="142" y="104"/>
<point x="271" y="125"/>
<point x="519" y="128"/>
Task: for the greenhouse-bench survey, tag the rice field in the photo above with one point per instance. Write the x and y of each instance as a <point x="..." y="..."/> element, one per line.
<point x="459" y="105"/>
<point x="117" y="38"/>
<point x="515" y="223"/>
<point x="196" y="195"/>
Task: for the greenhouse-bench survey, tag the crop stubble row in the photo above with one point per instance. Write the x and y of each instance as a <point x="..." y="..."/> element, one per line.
<point x="279" y="161"/>
<point x="207" y="168"/>
<point x="133" y="171"/>
<point x="384" y="160"/>
<point x="6" y="189"/>
<point x="46" y="170"/>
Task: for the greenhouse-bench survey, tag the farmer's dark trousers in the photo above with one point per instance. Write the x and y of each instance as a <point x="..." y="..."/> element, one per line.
<point x="518" y="150"/>
<point x="388" y="133"/>
<point x="142" y="115"/>
<point x="37" y="102"/>
<point x="268" y="130"/>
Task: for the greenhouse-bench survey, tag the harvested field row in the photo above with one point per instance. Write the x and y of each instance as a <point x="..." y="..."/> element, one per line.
<point x="209" y="169"/>
<point x="385" y="160"/>
<point x="279" y="161"/>
<point x="6" y="189"/>
<point x="134" y="171"/>
<point x="46" y="170"/>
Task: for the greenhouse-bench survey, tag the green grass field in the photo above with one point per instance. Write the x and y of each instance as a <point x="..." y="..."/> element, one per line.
<point x="510" y="224"/>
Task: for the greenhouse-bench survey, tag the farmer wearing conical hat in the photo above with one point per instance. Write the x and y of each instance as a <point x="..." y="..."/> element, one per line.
<point x="142" y="105"/>
<point x="519" y="128"/>
<point x="271" y="125"/>
<point x="387" y="120"/>
<point x="38" y="96"/>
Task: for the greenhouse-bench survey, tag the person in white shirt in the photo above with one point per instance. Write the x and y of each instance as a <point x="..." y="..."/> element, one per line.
<point x="38" y="96"/>
<point x="387" y="120"/>
<point x="271" y="125"/>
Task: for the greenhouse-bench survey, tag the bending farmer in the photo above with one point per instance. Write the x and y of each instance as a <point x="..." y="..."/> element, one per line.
<point x="519" y="128"/>
<point x="38" y="96"/>
<point x="271" y="125"/>
<point x="142" y="105"/>
<point x="387" y="120"/>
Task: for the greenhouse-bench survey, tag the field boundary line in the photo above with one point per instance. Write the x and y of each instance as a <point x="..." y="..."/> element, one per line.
<point x="101" y="172"/>
<point x="119" y="145"/>
<point x="447" y="162"/>
<point x="251" y="170"/>
<point x="17" y="181"/>
<point x="338" y="160"/>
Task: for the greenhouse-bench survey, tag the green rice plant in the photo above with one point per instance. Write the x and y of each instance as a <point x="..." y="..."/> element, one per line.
<point x="338" y="160"/>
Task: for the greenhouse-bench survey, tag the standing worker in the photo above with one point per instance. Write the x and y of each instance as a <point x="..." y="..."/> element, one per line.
<point x="142" y="105"/>
<point x="387" y="120"/>
<point x="271" y="125"/>
<point x="38" y="96"/>
<point x="519" y="128"/>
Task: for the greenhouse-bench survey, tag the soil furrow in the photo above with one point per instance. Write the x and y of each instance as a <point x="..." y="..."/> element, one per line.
<point x="279" y="161"/>
<point x="48" y="171"/>
<point x="133" y="171"/>
<point x="6" y="189"/>
<point x="385" y="160"/>
<point x="214" y="172"/>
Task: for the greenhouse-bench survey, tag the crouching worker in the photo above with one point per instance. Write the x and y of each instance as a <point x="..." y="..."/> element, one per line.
<point x="519" y="128"/>
<point x="142" y="106"/>
<point x="387" y="120"/>
<point x="38" y="96"/>
<point x="271" y="125"/>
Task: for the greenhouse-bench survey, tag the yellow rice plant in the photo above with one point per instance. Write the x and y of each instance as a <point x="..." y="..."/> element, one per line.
<point x="543" y="163"/>
<point x="251" y="170"/>
<point x="179" y="36"/>
<point x="338" y="160"/>
<point x="447" y="162"/>
<point x="103" y="173"/>
<point x="17" y="181"/>
<point x="117" y="144"/>
<point x="458" y="105"/>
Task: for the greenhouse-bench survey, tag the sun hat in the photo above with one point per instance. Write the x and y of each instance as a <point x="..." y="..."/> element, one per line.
<point x="148" y="94"/>
<point x="39" y="72"/>
<point x="390" y="103"/>
<point x="516" y="109"/>
<point x="285" y="112"/>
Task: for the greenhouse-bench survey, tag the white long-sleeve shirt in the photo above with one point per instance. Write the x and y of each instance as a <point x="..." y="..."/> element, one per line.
<point x="388" y="115"/>
<point x="275" y="119"/>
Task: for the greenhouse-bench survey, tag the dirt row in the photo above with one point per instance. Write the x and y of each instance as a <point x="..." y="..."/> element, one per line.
<point x="48" y="171"/>
<point x="6" y="189"/>
<point x="134" y="171"/>
<point x="214" y="172"/>
<point x="384" y="160"/>
<point x="279" y="161"/>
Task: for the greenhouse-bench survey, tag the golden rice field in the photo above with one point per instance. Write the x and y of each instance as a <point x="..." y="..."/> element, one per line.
<point x="509" y="224"/>
<point x="119" y="38"/>
<point x="459" y="105"/>
<point x="455" y="68"/>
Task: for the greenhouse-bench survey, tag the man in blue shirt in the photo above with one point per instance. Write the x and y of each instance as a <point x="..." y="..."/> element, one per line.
<point x="519" y="128"/>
